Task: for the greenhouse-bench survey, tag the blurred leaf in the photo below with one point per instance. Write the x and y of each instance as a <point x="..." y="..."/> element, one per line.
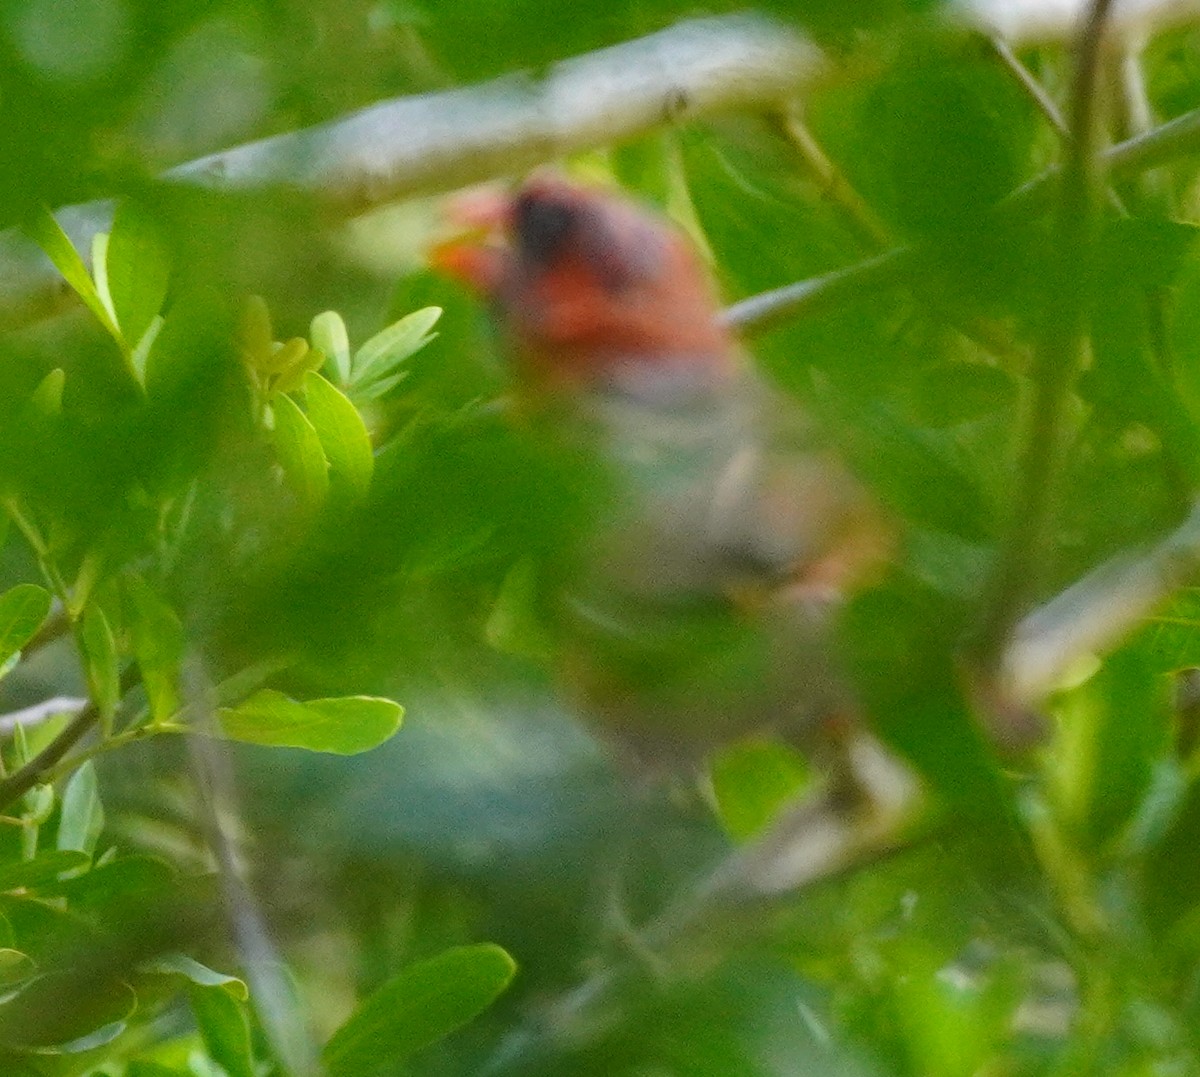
<point x="198" y="974"/>
<point x="224" y="1029"/>
<point x="513" y="626"/>
<point x="1172" y="636"/>
<point x="62" y="1008"/>
<point x="752" y="781"/>
<point x="23" y="609"/>
<point x="375" y="362"/>
<point x="1113" y="729"/>
<point x="82" y="817"/>
<point x="158" y="642"/>
<point x="424" y="1003"/>
<point x="14" y="967"/>
<point x="140" y="356"/>
<point x="140" y="1068"/>
<point x="139" y="269"/>
<point x="342" y="434"/>
<point x="300" y="453"/>
<point x="278" y="358"/>
<point x="100" y="660"/>
<point x="43" y="868"/>
<point x="953" y="393"/>
<point x="100" y="271"/>
<point x="328" y="335"/>
<point x="46" y="232"/>
<point x="344" y="726"/>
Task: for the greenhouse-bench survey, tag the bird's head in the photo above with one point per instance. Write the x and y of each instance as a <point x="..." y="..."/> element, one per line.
<point x="589" y="286"/>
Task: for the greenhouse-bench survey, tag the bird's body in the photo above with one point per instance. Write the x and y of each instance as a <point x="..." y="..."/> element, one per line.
<point x="730" y="530"/>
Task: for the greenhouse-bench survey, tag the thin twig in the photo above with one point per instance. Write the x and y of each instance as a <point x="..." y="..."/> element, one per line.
<point x="34" y="772"/>
<point x="811" y="845"/>
<point x="854" y="210"/>
<point x="273" y="999"/>
<point x="1058" y="357"/>
<point x="1034" y="89"/>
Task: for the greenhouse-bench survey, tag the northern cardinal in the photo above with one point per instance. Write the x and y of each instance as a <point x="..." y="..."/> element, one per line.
<point x="730" y="532"/>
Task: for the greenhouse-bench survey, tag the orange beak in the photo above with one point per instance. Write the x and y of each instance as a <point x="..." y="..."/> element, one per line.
<point x="475" y="252"/>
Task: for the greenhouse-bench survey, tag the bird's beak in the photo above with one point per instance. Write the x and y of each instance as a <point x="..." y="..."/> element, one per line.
<point x="474" y="250"/>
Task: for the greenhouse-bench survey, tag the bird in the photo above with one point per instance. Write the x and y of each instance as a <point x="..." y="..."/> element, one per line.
<point x="729" y="532"/>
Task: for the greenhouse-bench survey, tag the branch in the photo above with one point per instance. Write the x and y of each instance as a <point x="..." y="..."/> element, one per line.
<point x="432" y="142"/>
<point x="1097" y="612"/>
<point x="810" y="844"/>
<point x="17" y="784"/>
<point x="1059" y="355"/>
<point x="1166" y="143"/>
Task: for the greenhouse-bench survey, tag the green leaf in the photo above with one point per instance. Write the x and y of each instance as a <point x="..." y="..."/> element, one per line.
<point x="342" y="433"/>
<point x="752" y="781"/>
<point x="423" y="1004"/>
<point x="343" y="726"/>
<point x="15" y="966"/>
<point x="512" y="626"/>
<point x="82" y="817"/>
<point x="62" y="1008"/>
<point x="157" y="638"/>
<point x="198" y="974"/>
<point x="100" y="271"/>
<point x="328" y="335"/>
<point x="139" y="269"/>
<point x="47" y="233"/>
<point x="23" y="609"/>
<point x="224" y="1029"/>
<point x="140" y="355"/>
<point x="100" y="660"/>
<point x="300" y="453"/>
<point x="141" y="1068"/>
<point x="41" y="869"/>
<point x="46" y="399"/>
<point x="379" y="356"/>
<point x="1113" y="730"/>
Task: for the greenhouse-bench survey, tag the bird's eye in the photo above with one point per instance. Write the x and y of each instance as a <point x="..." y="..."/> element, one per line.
<point x="543" y="226"/>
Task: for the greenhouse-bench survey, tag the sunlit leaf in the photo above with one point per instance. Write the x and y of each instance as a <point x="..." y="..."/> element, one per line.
<point x="23" y="609"/>
<point x="343" y="726"/>
<point x="46" y="232"/>
<point x="342" y="434"/>
<point x="328" y="335"/>
<point x="379" y="356"/>
<point x="139" y="269"/>
<point x="300" y="453"/>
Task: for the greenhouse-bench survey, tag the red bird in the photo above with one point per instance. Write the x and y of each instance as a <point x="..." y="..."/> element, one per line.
<point x="732" y="531"/>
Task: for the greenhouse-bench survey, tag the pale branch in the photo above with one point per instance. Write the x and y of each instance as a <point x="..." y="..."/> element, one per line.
<point x="1097" y="612"/>
<point x="37" y="713"/>
<point x="437" y="141"/>
<point x="34" y="772"/>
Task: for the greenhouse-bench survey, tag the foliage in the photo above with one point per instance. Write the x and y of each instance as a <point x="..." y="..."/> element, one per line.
<point x="236" y="529"/>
